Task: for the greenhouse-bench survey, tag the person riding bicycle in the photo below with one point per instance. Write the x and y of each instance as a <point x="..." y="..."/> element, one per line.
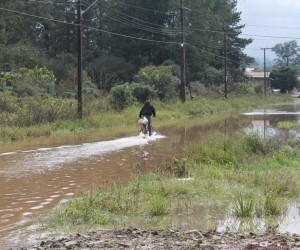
<point x="147" y="111"/>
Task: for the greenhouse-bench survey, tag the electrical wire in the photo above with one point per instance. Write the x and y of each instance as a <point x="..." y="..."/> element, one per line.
<point x="170" y="33"/>
<point x="252" y="25"/>
<point x="139" y="38"/>
<point x="272" y="27"/>
<point x="140" y="8"/>
<point x="139" y="24"/>
<point x="208" y="43"/>
<point x="48" y="2"/>
<point x="127" y="36"/>
<point x="137" y="19"/>
<point x="87" y="27"/>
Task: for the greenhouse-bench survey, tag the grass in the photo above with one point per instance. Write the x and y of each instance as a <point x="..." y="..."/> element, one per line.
<point x="244" y="205"/>
<point x="100" y="120"/>
<point x="243" y="182"/>
<point x="287" y="124"/>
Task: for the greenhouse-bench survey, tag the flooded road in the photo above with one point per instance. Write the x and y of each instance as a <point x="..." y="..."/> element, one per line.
<point x="37" y="176"/>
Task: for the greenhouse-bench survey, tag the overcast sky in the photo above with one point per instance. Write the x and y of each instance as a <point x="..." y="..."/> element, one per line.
<point x="282" y="18"/>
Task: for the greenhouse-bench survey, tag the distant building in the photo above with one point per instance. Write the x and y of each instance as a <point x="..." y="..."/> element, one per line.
<point x="257" y="78"/>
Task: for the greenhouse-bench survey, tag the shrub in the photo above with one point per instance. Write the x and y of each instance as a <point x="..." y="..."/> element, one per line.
<point x="32" y="81"/>
<point x="243" y="88"/>
<point x="121" y="97"/>
<point x="142" y="93"/>
<point x="254" y="143"/>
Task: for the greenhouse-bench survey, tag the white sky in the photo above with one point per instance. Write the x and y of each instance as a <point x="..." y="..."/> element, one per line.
<point x="271" y="13"/>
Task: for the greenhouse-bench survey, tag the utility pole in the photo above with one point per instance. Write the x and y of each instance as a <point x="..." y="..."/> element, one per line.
<point x="265" y="73"/>
<point x="79" y="67"/>
<point x="182" y="86"/>
<point x="225" y="70"/>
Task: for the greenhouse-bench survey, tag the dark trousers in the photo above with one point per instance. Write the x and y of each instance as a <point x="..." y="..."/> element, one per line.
<point x="149" y="124"/>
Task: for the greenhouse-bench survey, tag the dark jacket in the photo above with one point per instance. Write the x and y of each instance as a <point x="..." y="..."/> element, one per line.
<point x="147" y="109"/>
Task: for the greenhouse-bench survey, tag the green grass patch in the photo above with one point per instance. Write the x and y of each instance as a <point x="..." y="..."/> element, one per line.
<point x="287" y="124"/>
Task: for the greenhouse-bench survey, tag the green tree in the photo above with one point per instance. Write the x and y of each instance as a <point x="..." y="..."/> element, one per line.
<point x="284" y="78"/>
<point x="287" y="53"/>
<point x="162" y="79"/>
<point x="206" y="45"/>
<point x="62" y="64"/>
<point x="108" y="71"/>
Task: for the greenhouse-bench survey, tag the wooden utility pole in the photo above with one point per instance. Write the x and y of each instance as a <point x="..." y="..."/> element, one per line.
<point x="265" y="73"/>
<point x="182" y="86"/>
<point x="79" y="67"/>
<point x="225" y="65"/>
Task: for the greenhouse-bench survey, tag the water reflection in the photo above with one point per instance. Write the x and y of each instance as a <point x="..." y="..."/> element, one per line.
<point x="289" y="221"/>
<point x="265" y="122"/>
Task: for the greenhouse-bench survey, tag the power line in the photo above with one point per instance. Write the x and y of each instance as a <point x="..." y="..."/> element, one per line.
<point x="271" y="14"/>
<point x="48" y="2"/>
<point x="272" y="27"/>
<point x="87" y="27"/>
<point x="127" y="36"/>
<point x="140" y="8"/>
<point x="252" y="25"/>
<point x="140" y="26"/>
<point x="210" y="53"/>
<point x="250" y="35"/>
<point x="133" y="37"/>
<point x="276" y="37"/>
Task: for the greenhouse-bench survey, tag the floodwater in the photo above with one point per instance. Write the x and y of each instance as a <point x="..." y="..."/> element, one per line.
<point x="36" y="176"/>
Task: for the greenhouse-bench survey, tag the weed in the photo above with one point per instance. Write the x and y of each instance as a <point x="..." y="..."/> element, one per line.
<point x="273" y="205"/>
<point x="158" y="205"/>
<point x="244" y="205"/>
<point x="287" y="124"/>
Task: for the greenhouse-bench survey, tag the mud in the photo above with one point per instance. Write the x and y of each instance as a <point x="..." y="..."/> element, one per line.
<point x="132" y="238"/>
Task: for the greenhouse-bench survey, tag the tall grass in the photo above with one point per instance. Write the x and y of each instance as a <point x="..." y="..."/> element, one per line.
<point x="244" y="205"/>
<point x="158" y="205"/>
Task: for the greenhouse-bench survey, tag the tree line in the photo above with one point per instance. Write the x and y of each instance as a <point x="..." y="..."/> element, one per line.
<point x="123" y="40"/>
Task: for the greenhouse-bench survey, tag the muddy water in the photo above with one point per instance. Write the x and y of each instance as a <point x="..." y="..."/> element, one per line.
<point x="35" y="176"/>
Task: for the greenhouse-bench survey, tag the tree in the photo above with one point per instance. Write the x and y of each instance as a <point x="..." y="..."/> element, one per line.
<point x="206" y="45"/>
<point x="287" y="53"/>
<point x="121" y="37"/>
<point x="162" y="79"/>
<point x="284" y="78"/>
<point x="108" y="71"/>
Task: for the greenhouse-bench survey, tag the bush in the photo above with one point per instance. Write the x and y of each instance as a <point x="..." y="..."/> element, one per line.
<point x="198" y="87"/>
<point x="243" y="88"/>
<point x="121" y="97"/>
<point x="162" y="79"/>
<point x="142" y="93"/>
<point x="32" y="81"/>
<point x="8" y="103"/>
<point x="35" y="110"/>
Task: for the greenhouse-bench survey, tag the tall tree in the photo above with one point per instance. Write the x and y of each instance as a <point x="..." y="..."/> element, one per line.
<point x="213" y="28"/>
<point x="284" y="78"/>
<point x="287" y="53"/>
